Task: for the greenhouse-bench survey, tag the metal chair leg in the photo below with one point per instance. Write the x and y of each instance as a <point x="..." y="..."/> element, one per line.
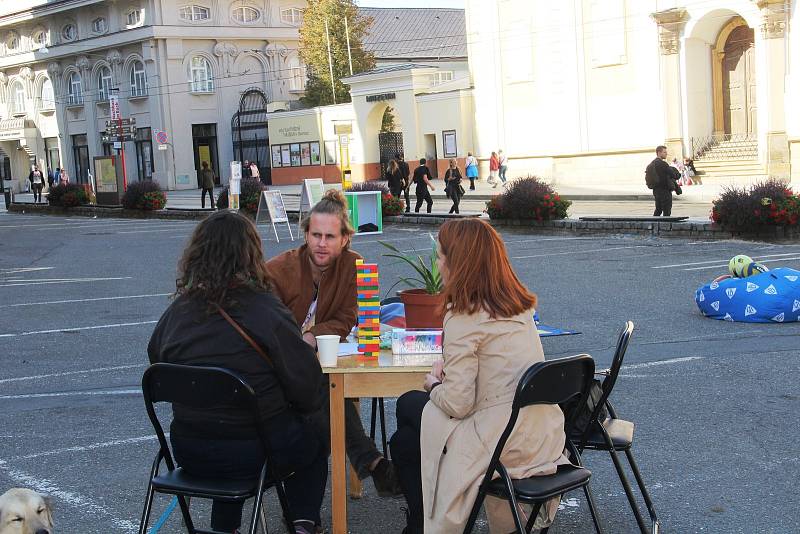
<point x="651" y="509"/>
<point x="592" y="509"/>
<point x="532" y="518"/>
<point x="148" y="503"/>
<point x="372" y="418"/>
<point x="383" y="427"/>
<point x="628" y="491"/>
<point x="187" y="519"/>
<point x="263" y="515"/>
<point x="285" y="509"/>
<point x="476" y="508"/>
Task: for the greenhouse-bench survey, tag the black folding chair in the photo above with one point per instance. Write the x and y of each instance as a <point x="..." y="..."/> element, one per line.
<point x="615" y="434"/>
<point x="549" y="382"/>
<point x="203" y="388"/>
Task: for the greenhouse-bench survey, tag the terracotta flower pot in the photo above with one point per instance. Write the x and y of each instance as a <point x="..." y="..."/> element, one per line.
<point x="423" y="310"/>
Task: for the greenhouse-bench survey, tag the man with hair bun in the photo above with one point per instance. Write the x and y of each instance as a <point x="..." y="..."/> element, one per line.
<point x="317" y="282"/>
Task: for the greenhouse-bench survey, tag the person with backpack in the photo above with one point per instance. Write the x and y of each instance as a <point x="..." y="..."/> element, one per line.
<point x="660" y="178"/>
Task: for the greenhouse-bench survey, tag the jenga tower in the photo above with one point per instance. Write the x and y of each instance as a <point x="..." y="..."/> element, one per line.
<point x="369" y="309"/>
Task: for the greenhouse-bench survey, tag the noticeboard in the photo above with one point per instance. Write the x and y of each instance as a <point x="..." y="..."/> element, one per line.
<point x="271" y="206"/>
<point x="108" y="180"/>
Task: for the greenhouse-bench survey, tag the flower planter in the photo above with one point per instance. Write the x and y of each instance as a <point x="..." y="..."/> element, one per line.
<point x="423" y="310"/>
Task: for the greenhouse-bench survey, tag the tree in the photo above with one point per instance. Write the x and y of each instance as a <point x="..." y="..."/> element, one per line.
<point x="387" y="122"/>
<point x="314" y="49"/>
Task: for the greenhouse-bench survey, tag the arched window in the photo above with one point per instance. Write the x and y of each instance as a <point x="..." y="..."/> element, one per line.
<point x="138" y="79"/>
<point x="17" y="98"/>
<point x="39" y="39"/>
<point x="75" y="89"/>
<point x="104" y="83"/>
<point x="48" y="100"/>
<point x="201" y="75"/>
<point x="69" y="32"/>
<point x="195" y="13"/>
<point x="99" y="25"/>
<point x="245" y="14"/>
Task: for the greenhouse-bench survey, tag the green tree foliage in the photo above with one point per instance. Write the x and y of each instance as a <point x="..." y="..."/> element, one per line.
<point x="314" y="50"/>
<point x="387" y="122"/>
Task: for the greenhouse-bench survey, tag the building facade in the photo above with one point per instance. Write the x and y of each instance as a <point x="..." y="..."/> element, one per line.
<point x="581" y="91"/>
<point x="184" y="68"/>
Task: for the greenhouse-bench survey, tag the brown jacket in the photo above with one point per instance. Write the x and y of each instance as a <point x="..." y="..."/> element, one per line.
<point x="484" y="359"/>
<point x="337" y="310"/>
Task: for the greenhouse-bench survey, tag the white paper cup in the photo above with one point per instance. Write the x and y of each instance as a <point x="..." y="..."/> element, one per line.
<point x="328" y="350"/>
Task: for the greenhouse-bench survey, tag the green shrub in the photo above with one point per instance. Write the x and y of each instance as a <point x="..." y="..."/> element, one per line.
<point x="144" y="195"/>
<point x="768" y="203"/>
<point x="68" y="195"/>
<point x="528" y="198"/>
<point x="251" y="189"/>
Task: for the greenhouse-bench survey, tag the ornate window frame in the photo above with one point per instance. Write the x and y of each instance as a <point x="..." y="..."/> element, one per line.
<point x="134" y="18"/>
<point x="71" y="36"/>
<point x="190" y="13"/>
<point x="16" y="106"/>
<point x="297" y="13"/>
<point x="205" y="85"/>
<point x="137" y="79"/>
<point x="74" y="79"/>
<point x="99" y="25"/>
<point x="245" y="7"/>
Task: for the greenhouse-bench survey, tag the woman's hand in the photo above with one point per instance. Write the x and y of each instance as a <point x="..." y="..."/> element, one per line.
<point x="430" y="381"/>
<point x="438" y="370"/>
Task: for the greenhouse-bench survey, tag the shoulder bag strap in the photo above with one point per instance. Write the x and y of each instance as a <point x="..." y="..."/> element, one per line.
<point x="244" y="334"/>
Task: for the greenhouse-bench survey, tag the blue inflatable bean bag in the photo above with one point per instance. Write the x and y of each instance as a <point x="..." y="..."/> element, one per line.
<point x="771" y="297"/>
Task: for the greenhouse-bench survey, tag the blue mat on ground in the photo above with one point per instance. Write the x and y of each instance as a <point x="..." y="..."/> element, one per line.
<point x="394" y="315"/>
<point x="771" y="297"/>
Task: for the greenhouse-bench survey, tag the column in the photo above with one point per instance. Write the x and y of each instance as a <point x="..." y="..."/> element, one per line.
<point x="773" y="60"/>
<point x="670" y="27"/>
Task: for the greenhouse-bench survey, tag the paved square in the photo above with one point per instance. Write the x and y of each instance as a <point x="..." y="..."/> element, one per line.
<point x="714" y="402"/>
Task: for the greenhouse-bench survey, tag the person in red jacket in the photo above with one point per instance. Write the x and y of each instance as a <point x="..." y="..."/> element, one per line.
<point x="494" y="167"/>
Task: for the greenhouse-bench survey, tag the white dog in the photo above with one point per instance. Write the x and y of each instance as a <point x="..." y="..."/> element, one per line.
<point x="23" y="511"/>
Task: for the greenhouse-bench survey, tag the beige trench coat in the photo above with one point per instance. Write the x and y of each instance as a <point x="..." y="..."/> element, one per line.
<point x="484" y="359"/>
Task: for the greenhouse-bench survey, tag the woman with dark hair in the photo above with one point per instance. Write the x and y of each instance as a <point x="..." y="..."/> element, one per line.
<point x="222" y="280"/>
<point x="445" y="437"/>
<point x="452" y="179"/>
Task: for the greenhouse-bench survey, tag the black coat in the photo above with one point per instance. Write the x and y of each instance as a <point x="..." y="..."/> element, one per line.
<point x="187" y="335"/>
<point x="664" y="174"/>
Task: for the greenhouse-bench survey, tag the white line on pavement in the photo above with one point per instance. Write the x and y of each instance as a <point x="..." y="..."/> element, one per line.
<point x="83" y="504"/>
<point x="91" y="393"/>
<point x="71" y="301"/>
<point x="662" y="362"/>
<point x="96" y="327"/>
<point x="5" y="272"/>
<point x="726" y="264"/>
<point x="90" y="447"/>
<point x="719" y="260"/>
<point x="63" y="281"/>
<point x="69" y="373"/>
<point x="579" y="252"/>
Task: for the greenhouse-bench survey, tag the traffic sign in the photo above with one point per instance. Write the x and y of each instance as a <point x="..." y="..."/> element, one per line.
<point x="117" y="138"/>
<point x="113" y="102"/>
<point x="161" y="137"/>
<point x="124" y="130"/>
<point x="125" y="122"/>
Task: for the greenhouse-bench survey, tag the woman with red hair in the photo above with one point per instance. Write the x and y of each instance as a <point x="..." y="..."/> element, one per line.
<point x="445" y="437"/>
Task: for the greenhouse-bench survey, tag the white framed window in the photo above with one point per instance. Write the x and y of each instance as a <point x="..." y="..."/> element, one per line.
<point x="245" y="14"/>
<point x="69" y="32"/>
<point x="201" y="75"/>
<point x="297" y="81"/>
<point x="99" y="25"/>
<point x="292" y="15"/>
<point x="48" y="99"/>
<point x="138" y="79"/>
<point x="443" y="76"/>
<point x="195" y="13"/>
<point x="104" y="84"/>
<point x="39" y="38"/>
<point x="17" y="100"/>
<point x="134" y="17"/>
<point x="75" y="89"/>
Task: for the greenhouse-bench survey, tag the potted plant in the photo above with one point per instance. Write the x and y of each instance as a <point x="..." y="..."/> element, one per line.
<point x="424" y="303"/>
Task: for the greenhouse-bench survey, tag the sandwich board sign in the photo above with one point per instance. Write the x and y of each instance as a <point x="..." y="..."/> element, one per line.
<point x="311" y="192"/>
<point x="271" y="205"/>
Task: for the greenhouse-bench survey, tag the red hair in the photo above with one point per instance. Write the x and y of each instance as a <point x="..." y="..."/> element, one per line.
<point x="480" y="274"/>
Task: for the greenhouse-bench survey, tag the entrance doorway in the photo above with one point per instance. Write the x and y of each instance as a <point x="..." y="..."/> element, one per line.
<point x="250" y="133"/>
<point x="739" y="82"/>
<point x="389" y="144"/>
<point x="204" y="139"/>
<point x="431" y="155"/>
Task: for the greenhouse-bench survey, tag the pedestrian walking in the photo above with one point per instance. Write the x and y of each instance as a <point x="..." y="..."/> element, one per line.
<point x="394" y="178"/>
<point x="56" y="177"/>
<point x="37" y="183"/>
<point x="494" y="168"/>
<point x="422" y="177"/>
<point x="660" y="178"/>
<point x="452" y="181"/>
<point x="405" y="173"/>
<point x="50" y="178"/>
<point x="503" y="162"/>
<point x="472" y="170"/>
<point x="207" y="180"/>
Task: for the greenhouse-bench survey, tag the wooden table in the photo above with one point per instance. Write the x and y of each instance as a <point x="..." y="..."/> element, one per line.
<point x="387" y="376"/>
